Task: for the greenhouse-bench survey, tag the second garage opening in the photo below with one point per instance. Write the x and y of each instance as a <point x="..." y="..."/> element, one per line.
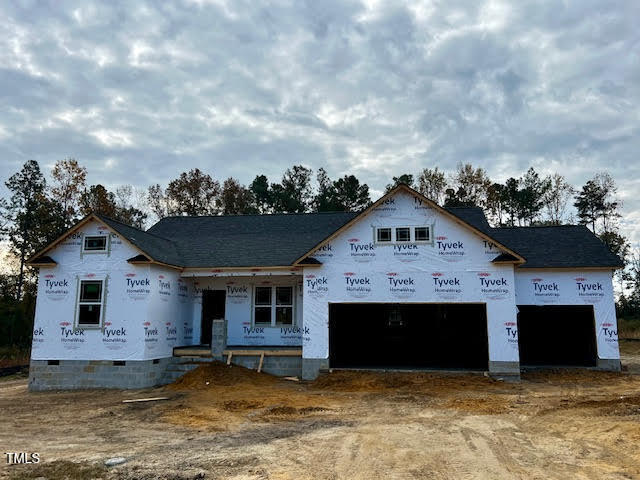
<point x="383" y="335"/>
<point x="557" y="335"/>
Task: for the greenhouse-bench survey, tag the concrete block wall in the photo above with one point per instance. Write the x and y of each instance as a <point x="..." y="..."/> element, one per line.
<point x="279" y="366"/>
<point x="181" y="365"/>
<point x="80" y="374"/>
<point x="218" y="338"/>
<point x="312" y="367"/>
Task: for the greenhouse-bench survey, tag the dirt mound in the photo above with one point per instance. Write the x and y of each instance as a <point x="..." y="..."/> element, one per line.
<point x="479" y="406"/>
<point x="217" y="373"/>
<point x="618" y="406"/>
<point x="240" y="405"/>
<point x="219" y="397"/>
<point x="559" y="376"/>
<point x="58" y="470"/>
<point x="430" y="383"/>
<point x="288" y="410"/>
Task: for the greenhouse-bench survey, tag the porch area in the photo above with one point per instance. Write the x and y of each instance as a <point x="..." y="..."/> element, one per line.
<point x="276" y="360"/>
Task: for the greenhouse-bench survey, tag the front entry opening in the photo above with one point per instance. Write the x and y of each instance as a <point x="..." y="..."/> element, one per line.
<point x="383" y="335"/>
<point x="557" y="335"/>
<point x="213" y="302"/>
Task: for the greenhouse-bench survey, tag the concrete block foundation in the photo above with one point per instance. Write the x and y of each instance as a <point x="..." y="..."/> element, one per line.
<point x="218" y="338"/>
<point x="311" y="367"/>
<point x="274" y="365"/>
<point x="80" y="374"/>
<point x="499" y="369"/>
<point x="609" y="364"/>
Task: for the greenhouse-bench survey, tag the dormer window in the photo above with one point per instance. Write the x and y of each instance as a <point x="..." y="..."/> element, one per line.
<point x="383" y="235"/>
<point x="404" y="234"/>
<point x="95" y="243"/>
<point x="422" y="234"/>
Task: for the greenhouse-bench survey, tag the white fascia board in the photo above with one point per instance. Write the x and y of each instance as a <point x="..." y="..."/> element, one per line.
<point x="257" y="272"/>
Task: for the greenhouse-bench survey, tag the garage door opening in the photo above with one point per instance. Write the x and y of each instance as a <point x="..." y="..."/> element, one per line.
<point x="558" y="335"/>
<point x="383" y="335"/>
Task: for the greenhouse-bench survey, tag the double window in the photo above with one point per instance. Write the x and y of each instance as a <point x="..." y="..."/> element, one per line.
<point x="273" y="306"/>
<point x="95" y="243"/>
<point x="418" y="234"/>
<point x="90" y="303"/>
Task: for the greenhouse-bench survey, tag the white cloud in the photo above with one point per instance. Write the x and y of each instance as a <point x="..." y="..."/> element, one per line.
<point x="372" y="88"/>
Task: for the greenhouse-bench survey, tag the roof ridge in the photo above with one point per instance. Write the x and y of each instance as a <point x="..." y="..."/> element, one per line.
<point x="471" y="206"/>
<point x="255" y="215"/>
<point x="537" y="226"/>
<point x="102" y="216"/>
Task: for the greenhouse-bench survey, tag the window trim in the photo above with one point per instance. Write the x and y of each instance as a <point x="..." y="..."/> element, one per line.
<point x="274" y="304"/>
<point x="429" y="235"/>
<point x="412" y="235"/>
<point x="101" y="303"/>
<point x="107" y="242"/>
<point x="395" y="234"/>
<point x="377" y="238"/>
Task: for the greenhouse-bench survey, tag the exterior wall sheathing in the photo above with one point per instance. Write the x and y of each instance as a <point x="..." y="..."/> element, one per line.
<point x="149" y="310"/>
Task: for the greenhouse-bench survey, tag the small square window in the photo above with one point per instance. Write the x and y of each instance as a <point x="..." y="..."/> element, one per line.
<point x="403" y="234"/>
<point x="422" y="234"/>
<point x="383" y="235"/>
<point x="95" y="243"/>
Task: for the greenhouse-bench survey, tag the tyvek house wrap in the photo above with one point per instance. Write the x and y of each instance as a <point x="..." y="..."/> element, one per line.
<point x="239" y="308"/>
<point x="133" y="307"/>
<point x="455" y="267"/>
<point x="561" y="287"/>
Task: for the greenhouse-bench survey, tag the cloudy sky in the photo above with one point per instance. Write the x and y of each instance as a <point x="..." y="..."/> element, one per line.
<point x="139" y="92"/>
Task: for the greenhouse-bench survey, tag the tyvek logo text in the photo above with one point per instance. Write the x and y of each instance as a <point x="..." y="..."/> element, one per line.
<point x="361" y="251"/>
<point x="401" y="286"/>
<point x="55" y="288"/>
<point x="450" y="250"/>
<point x="357" y="286"/>
<point x="316" y="286"/>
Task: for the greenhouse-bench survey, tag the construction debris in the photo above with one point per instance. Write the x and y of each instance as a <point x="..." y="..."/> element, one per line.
<point x="152" y="399"/>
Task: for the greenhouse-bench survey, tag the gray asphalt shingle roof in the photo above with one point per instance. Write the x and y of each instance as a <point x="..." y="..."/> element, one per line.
<point x="160" y="248"/>
<point x="248" y="240"/>
<point x="280" y="239"/>
<point x="558" y="246"/>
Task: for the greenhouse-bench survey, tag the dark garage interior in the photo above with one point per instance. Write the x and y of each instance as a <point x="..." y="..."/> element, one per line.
<point x="411" y="336"/>
<point x="558" y="335"/>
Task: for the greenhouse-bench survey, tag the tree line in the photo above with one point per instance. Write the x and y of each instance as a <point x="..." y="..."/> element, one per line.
<point x="36" y="211"/>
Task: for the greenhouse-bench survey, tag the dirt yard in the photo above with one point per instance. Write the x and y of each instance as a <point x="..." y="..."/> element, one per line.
<point x="233" y="423"/>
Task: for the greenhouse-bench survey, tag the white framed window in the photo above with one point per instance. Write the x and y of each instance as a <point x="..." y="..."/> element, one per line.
<point x="273" y="306"/>
<point x="422" y="234"/>
<point x="383" y="235"/>
<point x="404" y="234"/>
<point x="90" y="307"/>
<point x="95" y="243"/>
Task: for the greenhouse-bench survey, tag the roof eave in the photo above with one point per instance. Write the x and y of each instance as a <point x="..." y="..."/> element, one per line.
<point x="577" y="267"/>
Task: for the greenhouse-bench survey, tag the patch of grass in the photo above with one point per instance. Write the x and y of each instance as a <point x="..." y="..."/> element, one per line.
<point x="58" y="470"/>
<point x="629" y="347"/>
<point x="20" y="374"/>
<point x="629" y="327"/>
